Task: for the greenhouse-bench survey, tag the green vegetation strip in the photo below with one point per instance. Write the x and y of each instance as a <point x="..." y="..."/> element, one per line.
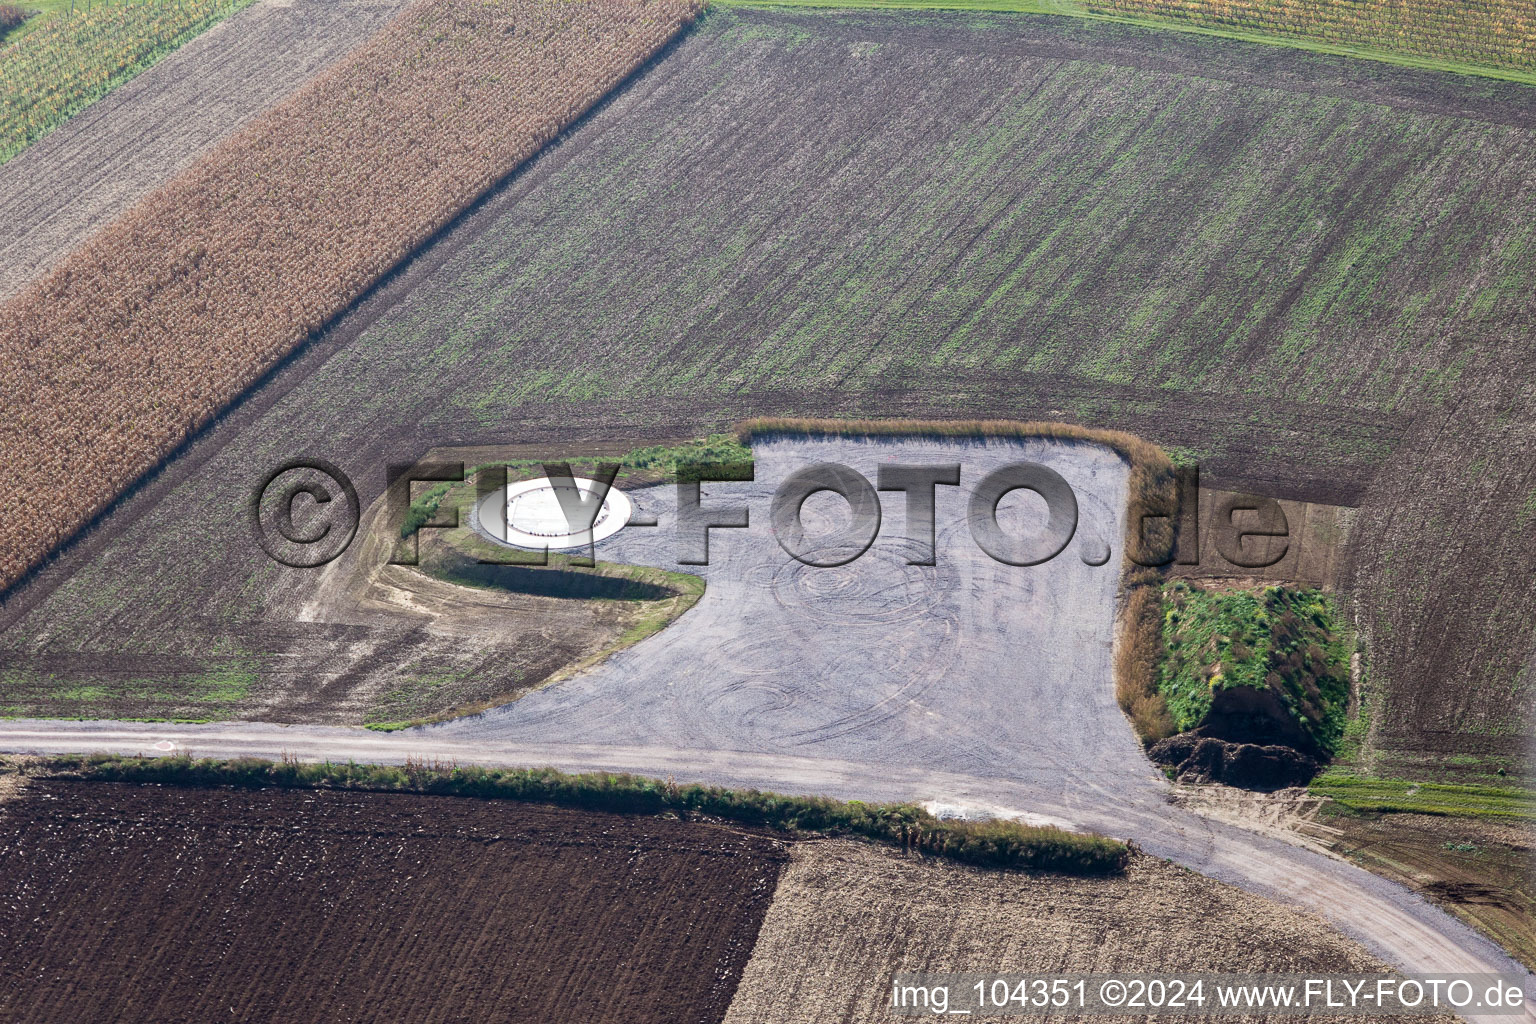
<point x="996" y="844"/>
<point x="655" y="462"/>
<point x="57" y="64"/>
<point x="1068" y="9"/>
<point x="1387" y="796"/>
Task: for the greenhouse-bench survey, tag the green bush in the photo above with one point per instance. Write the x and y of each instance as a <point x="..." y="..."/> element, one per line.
<point x="1286" y="640"/>
<point x="994" y="843"/>
<point x="423" y="509"/>
<point x="10" y="17"/>
<point x="716" y="448"/>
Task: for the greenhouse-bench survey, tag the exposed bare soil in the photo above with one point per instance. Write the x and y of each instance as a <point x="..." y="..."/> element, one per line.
<point x="1481" y="870"/>
<point x="848" y="917"/>
<point x="1310" y="553"/>
<point x="143" y="904"/>
<point x="373" y="642"/>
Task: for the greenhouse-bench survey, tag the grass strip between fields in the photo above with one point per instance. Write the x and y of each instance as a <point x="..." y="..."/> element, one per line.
<point x="1066" y="9"/>
<point x="1401" y="796"/>
<point x="993" y="843"/>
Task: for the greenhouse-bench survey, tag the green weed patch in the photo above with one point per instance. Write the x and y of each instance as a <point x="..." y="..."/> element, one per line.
<point x="1388" y="796"/>
<point x="1240" y="652"/>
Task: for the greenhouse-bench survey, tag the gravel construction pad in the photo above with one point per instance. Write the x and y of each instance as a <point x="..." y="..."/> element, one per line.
<point x="968" y="665"/>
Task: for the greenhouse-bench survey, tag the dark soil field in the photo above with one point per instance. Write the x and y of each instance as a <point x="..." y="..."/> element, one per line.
<point x="1311" y="274"/>
<point x="132" y="903"/>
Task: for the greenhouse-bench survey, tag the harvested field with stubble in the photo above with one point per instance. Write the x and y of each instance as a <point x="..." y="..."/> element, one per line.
<point x="134" y="903"/>
<point x="211" y="280"/>
<point x="846" y="918"/>
<point x="130" y="142"/>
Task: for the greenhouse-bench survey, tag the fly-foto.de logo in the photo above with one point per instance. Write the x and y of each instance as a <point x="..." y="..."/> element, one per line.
<point x="306" y="513"/>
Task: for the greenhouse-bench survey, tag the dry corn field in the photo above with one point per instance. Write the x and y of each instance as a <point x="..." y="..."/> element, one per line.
<point x="1501" y="33"/>
<point x="161" y="319"/>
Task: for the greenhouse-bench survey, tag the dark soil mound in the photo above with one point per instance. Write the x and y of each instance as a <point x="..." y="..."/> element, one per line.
<point x="1251" y="717"/>
<point x="1245" y="765"/>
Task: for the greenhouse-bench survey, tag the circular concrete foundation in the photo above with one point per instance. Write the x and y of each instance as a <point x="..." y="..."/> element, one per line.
<point x="528" y="515"/>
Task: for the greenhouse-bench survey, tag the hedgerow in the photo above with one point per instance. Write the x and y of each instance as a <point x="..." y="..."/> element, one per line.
<point x="993" y="843"/>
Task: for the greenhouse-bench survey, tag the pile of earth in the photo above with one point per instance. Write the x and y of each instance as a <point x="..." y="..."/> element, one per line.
<point x="1256" y="678"/>
<point x="1198" y="757"/>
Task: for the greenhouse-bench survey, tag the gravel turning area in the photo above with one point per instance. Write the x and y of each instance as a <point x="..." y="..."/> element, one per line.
<point x="967" y="665"/>
<point x="137" y="137"/>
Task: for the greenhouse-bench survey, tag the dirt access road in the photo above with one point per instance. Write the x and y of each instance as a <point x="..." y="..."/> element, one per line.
<point x="974" y="686"/>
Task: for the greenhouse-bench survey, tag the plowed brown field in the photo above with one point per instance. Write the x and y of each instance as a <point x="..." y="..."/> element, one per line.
<point x="128" y="904"/>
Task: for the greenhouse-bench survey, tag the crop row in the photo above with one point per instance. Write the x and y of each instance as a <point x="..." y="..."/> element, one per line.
<point x="142" y="335"/>
<point x="71" y="59"/>
<point x="1492" y="32"/>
